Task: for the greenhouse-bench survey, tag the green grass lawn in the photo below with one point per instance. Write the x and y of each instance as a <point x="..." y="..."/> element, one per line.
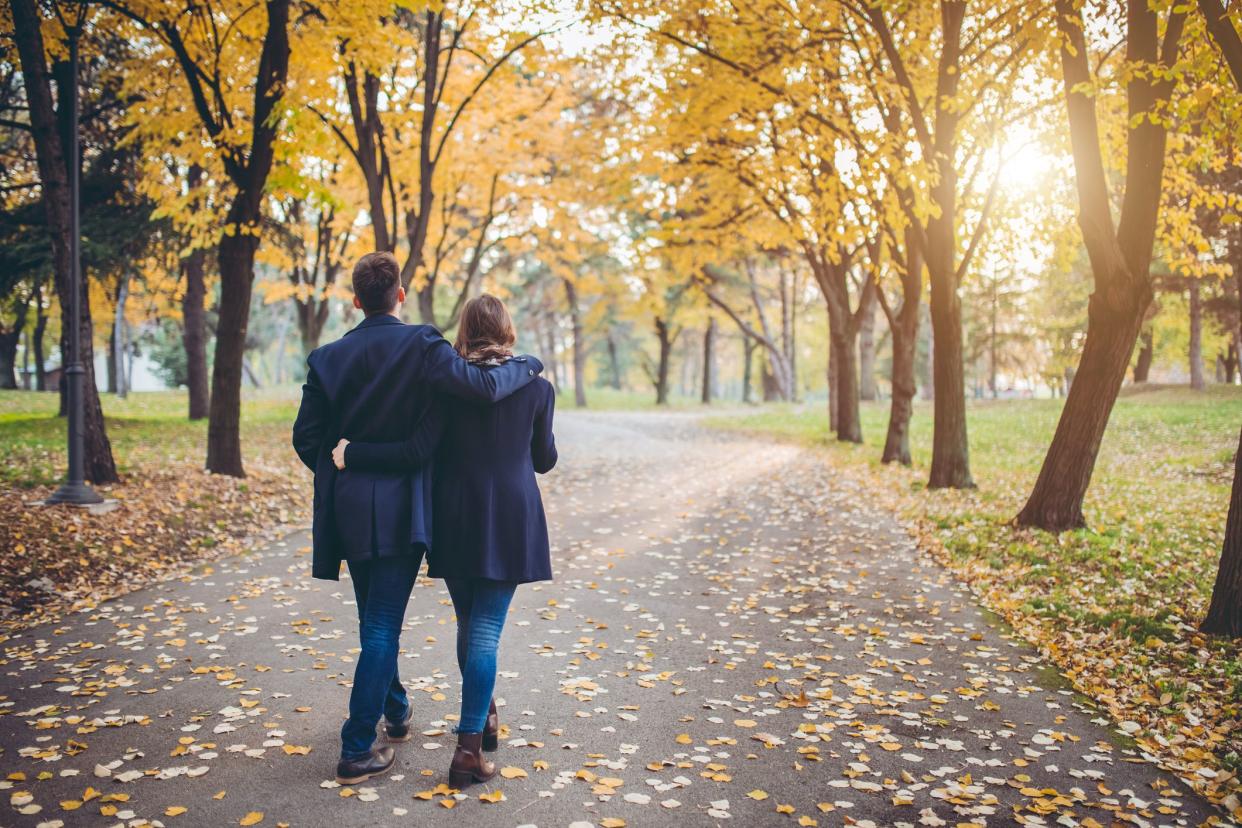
<point x="146" y="427"/>
<point x="1117" y="604"/>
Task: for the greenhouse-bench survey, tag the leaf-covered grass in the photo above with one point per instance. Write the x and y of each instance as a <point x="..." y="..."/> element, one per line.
<point x="170" y="514"/>
<point x="1116" y="605"/>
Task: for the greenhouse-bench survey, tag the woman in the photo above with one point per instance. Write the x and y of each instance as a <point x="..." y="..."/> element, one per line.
<point x="489" y="532"/>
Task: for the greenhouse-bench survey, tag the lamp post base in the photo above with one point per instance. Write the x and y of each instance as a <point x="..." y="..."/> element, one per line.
<point x="76" y="494"/>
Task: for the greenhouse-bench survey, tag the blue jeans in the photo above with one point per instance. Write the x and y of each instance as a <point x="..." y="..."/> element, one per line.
<point x="481" y="606"/>
<point x="382" y="588"/>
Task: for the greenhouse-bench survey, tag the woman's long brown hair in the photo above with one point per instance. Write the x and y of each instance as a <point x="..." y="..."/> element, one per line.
<point x="485" y="331"/>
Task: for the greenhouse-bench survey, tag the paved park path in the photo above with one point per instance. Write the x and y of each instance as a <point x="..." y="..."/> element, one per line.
<point x="735" y="637"/>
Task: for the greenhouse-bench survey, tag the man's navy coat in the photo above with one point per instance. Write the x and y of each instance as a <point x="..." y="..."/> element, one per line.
<point x="374" y="384"/>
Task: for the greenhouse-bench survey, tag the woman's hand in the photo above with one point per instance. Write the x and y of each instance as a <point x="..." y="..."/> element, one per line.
<point x="338" y="453"/>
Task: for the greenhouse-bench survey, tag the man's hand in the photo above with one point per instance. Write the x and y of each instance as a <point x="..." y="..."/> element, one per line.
<point x="338" y="453"/>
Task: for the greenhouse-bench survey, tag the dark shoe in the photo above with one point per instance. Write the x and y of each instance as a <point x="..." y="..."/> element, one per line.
<point x="353" y="771"/>
<point x="469" y="766"/>
<point x="400" y="732"/>
<point x="491" y="729"/>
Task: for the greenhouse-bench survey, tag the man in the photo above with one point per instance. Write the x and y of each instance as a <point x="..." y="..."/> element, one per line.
<point x="374" y="384"/>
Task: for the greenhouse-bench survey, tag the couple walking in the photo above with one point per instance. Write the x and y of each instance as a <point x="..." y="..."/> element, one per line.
<point x="419" y="447"/>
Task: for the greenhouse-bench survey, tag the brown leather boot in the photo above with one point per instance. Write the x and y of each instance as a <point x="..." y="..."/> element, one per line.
<point x="491" y="729"/>
<point x="468" y="763"/>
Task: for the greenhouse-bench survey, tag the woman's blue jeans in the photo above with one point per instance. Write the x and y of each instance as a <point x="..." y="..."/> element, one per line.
<point x="481" y="606"/>
<point x="382" y="588"/>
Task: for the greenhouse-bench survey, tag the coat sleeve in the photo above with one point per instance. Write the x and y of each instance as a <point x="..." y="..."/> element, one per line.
<point x="542" y="441"/>
<point x="312" y="421"/>
<point x="408" y="454"/>
<point x="446" y="371"/>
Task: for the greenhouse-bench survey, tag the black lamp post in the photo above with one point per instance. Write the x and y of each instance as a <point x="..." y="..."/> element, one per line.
<point x="75" y="489"/>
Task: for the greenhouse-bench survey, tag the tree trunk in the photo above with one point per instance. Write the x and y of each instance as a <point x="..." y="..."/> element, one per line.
<point x="111" y="362"/>
<point x="575" y="319"/>
<point x="903" y="324"/>
<point x="1197" y="381"/>
<point x="235" y="254"/>
<point x="236" y="264"/>
<point x="866" y="349"/>
<point x="849" y="422"/>
<point x="662" y="367"/>
<point x="1142" y="366"/>
<point x="833" y="370"/>
<point x="748" y="352"/>
<point x="709" y="359"/>
<point x="897" y="439"/>
<point x="929" y="355"/>
<point x="47" y="131"/>
<point x="39" y="330"/>
<point x="118" y="338"/>
<point x="1224" y="615"/>
<point x="194" y="332"/>
<point x="1056" y="501"/>
<point x="9" y="339"/>
<point x="614" y="363"/>
<point x="1120" y="255"/>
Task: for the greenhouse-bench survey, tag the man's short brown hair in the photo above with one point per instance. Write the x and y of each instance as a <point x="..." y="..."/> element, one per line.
<point x="376" y="280"/>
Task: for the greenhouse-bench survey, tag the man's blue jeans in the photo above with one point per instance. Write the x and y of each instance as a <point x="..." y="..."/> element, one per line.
<point x="382" y="588"/>
<point x="481" y="606"/>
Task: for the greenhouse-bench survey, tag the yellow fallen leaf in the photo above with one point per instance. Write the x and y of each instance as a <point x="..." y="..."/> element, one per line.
<point x="784" y="809"/>
<point x="612" y="822"/>
<point x="683" y="739"/>
<point x="493" y="797"/>
<point x="252" y="818"/>
<point x="175" y="810"/>
<point x="758" y="795"/>
<point x="71" y="804"/>
<point x="513" y="773"/>
<point x="448" y="802"/>
<point x="297" y="750"/>
<point x="744" y="722"/>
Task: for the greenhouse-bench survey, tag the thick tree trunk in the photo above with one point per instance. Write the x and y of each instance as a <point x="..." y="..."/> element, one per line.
<point x="866" y="349"/>
<point x="1197" y="380"/>
<point x="235" y="254"/>
<point x="1224" y="615"/>
<point x="709" y="359"/>
<point x="1120" y="255"/>
<point x="897" y="439"/>
<point x="1056" y="501"/>
<point x="1142" y="366"/>
<point x="236" y="264"/>
<point x="48" y="133"/>
<point x="580" y="355"/>
<point x="903" y="324"/>
<point x="194" y="332"/>
<point x="844" y="347"/>
<point x="950" y="449"/>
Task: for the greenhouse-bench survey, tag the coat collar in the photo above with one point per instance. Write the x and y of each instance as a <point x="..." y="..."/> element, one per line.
<point x="375" y="321"/>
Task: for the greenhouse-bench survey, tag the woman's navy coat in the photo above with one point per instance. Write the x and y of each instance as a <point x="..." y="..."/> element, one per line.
<point x="488" y="519"/>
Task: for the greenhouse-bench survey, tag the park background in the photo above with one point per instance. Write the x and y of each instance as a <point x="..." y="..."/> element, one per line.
<point x="854" y="226"/>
